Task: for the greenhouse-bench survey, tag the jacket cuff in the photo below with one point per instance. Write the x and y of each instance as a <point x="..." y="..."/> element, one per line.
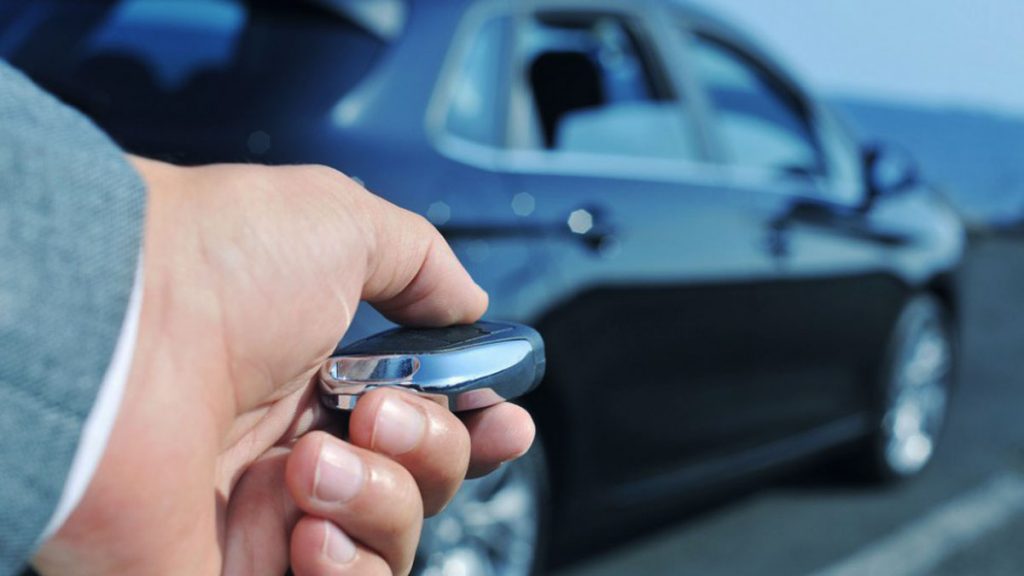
<point x="101" y="419"/>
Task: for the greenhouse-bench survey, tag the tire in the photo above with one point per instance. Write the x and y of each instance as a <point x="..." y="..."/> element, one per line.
<point x="495" y="525"/>
<point x="914" y="391"/>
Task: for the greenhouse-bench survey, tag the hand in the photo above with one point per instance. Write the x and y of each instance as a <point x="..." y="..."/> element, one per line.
<point x="216" y="462"/>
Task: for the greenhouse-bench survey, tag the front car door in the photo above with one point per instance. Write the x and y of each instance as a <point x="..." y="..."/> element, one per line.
<point x="846" y="266"/>
<point x="765" y="133"/>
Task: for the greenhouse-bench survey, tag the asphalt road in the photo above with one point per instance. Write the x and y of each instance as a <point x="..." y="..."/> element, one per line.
<point x="964" y="516"/>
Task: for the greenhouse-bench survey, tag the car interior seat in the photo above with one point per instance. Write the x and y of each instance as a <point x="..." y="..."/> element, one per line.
<point x="645" y="129"/>
<point x="563" y="82"/>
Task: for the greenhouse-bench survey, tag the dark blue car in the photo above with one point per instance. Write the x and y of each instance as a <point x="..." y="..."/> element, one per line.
<point x="725" y="279"/>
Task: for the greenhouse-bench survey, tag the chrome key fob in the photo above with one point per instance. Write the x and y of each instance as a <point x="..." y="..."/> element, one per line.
<point x="460" y="367"/>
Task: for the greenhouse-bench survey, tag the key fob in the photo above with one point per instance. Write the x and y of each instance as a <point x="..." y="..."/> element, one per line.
<point x="461" y="367"/>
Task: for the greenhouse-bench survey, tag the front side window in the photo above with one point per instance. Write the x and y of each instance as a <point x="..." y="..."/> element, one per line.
<point x="595" y="89"/>
<point x="760" y="123"/>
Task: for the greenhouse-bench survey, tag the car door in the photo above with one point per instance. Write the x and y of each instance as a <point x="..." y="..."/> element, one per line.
<point x="832" y="299"/>
<point x="848" y="261"/>
<point x="655" y="329"/>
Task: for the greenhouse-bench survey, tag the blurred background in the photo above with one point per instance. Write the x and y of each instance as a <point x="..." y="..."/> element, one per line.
<point x="774" y="248"/>
<point x="943" y="78"/>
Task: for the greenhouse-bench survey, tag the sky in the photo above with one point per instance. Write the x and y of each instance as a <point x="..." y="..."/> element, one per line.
<point x="963" y="53"/>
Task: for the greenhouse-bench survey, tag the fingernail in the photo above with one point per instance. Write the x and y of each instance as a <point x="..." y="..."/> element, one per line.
<point x="399" y="428"/>
<point x="339" y="474"/>
<point x="338" y="548"/>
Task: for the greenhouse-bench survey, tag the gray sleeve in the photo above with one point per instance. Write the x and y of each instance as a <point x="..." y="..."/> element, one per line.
<point x="71" y="215"/>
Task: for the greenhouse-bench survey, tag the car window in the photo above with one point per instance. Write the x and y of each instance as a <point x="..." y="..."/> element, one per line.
<point x="476" y="93"/>
<point x="759" y="122"/>
<point x="596" y="89"/>
<point x="196" y="62"/>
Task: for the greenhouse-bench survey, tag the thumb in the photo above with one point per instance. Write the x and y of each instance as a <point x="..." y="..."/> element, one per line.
<point x="413" y="277"/>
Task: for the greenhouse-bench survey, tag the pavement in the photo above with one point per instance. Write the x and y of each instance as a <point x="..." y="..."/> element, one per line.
<point x="963" y="517"/>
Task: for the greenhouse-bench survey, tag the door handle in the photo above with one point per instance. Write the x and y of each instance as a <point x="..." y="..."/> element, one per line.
<point x="586" y="225"/>
<point x="590" y="226"/>
<point x="777" y="240"/>
<point x="835" y="220"/>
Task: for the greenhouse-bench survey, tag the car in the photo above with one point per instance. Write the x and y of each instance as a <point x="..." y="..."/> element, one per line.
<point x="727" y="281"/>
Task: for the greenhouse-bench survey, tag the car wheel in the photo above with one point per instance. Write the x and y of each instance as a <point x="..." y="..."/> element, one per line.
<point x="493" y="527"/>
<point x="916" y="385"/>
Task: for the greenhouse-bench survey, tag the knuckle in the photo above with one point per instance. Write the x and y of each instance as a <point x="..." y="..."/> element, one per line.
<point x="329" y="181"/>
<point x="324" y="173"/>
<point x="418" y="227"/>
<point x="421" y="222"/>
<point x="426" y="227"/>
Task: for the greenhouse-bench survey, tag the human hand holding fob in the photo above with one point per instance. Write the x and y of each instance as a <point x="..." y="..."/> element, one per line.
<point x="218" y="415"/>
<point x="462" y="367"/>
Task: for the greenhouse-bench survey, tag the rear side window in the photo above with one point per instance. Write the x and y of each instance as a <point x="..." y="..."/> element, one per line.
<point x="478" y="91"/>
<point x="759" y="122"/>
<point x="596" y="88"/>
<point x="196" y="61"/>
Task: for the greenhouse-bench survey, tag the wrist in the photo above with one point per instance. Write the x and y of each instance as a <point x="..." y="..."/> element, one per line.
<point x="180" y="337"/>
